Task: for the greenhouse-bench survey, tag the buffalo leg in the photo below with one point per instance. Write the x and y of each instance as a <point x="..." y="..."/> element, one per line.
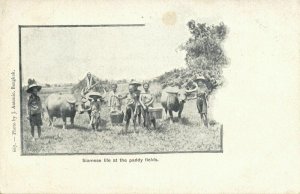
<point x="166" y="115"/>
<point x="72" y="121"/>
<point x="64" y="122"/>
<point x="51" y="121"/>
<point x="179" y="116"/>
<point x="171" y="116"/>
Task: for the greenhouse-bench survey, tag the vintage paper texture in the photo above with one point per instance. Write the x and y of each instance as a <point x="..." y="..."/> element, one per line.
<point x="259" y="105"/>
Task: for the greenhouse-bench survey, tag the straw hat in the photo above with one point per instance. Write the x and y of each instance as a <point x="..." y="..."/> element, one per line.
<point x="133" y="82"/>
<point x="146" y="83"/>
<point x="199" y="77"/>
<point x="172" y="90"/>
<point x="114" y="84"/>
<point x="32" y="84"/>
<point x="94" y="95"/>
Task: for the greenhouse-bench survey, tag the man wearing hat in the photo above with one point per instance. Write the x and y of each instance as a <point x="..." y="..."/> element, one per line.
<point x="34" y="107"/>
<point x="133" y="106"/>
<point x="137" y="93"/>
<point x="201" y="95"/>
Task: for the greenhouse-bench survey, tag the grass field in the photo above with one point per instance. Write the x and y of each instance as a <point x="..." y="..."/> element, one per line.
<point x="178" y="137"/>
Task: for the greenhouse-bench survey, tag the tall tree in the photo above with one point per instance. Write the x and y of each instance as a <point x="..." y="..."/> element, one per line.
<point x="204" y="52"/>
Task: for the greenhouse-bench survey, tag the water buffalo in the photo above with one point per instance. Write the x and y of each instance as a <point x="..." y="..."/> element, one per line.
<point x="173" y="99"/>
<point x="62" y="106"/>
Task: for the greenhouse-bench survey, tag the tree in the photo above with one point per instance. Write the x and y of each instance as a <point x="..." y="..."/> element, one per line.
<point x="204" y="53"/>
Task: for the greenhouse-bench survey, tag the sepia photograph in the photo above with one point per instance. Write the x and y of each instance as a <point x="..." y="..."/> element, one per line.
<point x="149" y="96"/>
<point x="110" y="89"/>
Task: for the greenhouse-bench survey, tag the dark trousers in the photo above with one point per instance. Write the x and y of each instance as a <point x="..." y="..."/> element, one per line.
<point x="39" y="130"/>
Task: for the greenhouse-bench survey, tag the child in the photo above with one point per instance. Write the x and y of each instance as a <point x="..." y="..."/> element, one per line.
<point x="34" y="110"/>
<point x="95" y="105"/>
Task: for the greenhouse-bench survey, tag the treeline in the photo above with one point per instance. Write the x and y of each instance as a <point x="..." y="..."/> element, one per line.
<point x="103" y="84"/>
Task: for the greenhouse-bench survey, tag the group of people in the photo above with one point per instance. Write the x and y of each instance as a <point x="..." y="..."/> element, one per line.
<point x="137" y="104"/>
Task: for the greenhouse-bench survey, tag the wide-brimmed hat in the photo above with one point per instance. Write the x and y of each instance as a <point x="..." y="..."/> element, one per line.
<point x="32" y="84"/>
<point x="94" y="95"/>
<point x="133" y="82"/>
<point x="146" y="83"/>
<point x="199" y="77"/>
<point x="172" y="90"/>
<point x="114" y="84"/>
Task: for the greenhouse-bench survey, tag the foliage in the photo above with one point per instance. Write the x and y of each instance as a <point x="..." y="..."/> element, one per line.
<point x="204" y="53"/>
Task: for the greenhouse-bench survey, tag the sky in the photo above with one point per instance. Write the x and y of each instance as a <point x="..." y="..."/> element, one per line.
<point x="65" y="55"/>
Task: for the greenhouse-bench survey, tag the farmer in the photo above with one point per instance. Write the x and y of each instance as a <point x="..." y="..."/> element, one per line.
<point x="95" y="107"/>
<point x="34" y="109"/>
<point x="133" y="108"/>
<point x="137" y="93"/>
<point x="114" y="101"/>
<point x="202" y="97"/>
<point x="90" y="84"/>
<point x="146" y="100"/>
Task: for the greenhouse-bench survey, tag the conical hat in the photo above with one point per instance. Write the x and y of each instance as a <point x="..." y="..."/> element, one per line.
<point x="172" y="90"/>
<point x="30" y="87"/>
<point x="94" y="95"/>
<point x="199" y="77"/>
<point x="133" y="82"/>
<point x="114" y="84"/>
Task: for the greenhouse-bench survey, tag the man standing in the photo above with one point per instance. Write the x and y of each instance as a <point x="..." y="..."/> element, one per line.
<point x="114" y="99"/>
<point x="90" y="83"/>
<point x="133" y="106"/>
<point x="146" y="100"/>
<point x="34" y="107"/>
<point x="201" y="96"/>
